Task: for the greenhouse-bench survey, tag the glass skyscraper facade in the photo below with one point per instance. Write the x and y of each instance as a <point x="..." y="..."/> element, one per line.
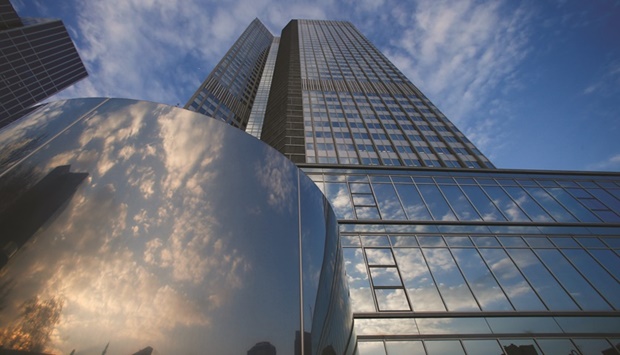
<point x="444" y="253"/>
<point x="37" y="60"/>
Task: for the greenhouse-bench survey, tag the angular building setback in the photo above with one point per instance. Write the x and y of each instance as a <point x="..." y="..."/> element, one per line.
<point x="37" y="60"/>
<point x="445" y="254"/>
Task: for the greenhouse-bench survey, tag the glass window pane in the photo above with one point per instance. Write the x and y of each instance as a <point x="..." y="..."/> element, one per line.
<point x="388" y="202"/>
<point x="379" y="256"/>
<point x="436" y="203"/>
<point x="404" y="241"/>
<point x="577" y="209"/>
<point x="375" y="241"/>
<point x="414" y="207"/>
<point x="538" y="242"/>
<point x="451" y="284"/>
<point x="593" y="346"/>
<point x="418" y="281"/>
<point x="590" y="242"/>
<point x="405" y="348"/>
<point x="512" y="212"/>
<point x="606" y="198"/>
<point x="536" y="213"/>
<point x="512" y="241"/>
<point x="558" y="212"/>
<point x="520" y="346"/>
<point x="360" y="188"/>
<point x="350" y="241"/>
<point x="485" y="241"/>
<point x="609" y="260"/>
<point x="589" y="324"/>
<point x="613" y="243"/>
<point x="385" y="276"/>
<point x="357" y="277"/>
<point x="573" y="282"/>
<point x="338" y="196"/>
<point x="382" y="326"/>
<point x="391" y="300"/>
<point x="483" y="204"/>
<point x="459" y="241"/>
<point x="370" y="348"/>
<point x="604" y="283"/>
<point x="482" y="347"/>
<point x="431" y="241"/>
<point x="488" y="293"/>
<point x="363" y="200"/>
<point x="367" y="213"/>
<point x="443" y="347"/>
<point x="431" y="326"/>
<point x="459" y="203"/>
<point x="543" y="282"/>
<point x="516" y="287"/>
<point x="557" y="346"/>
<point x="565" y="242"/>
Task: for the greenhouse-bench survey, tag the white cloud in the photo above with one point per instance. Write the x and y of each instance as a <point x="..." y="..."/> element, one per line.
<point x="612" y="163"/>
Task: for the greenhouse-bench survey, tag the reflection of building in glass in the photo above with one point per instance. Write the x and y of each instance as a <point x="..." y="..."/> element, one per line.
<point x="37" y="59"/>
<point x="262" y="348"/>
<point x="444" y="253"/>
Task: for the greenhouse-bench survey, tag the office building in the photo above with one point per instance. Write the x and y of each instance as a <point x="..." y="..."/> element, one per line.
<point x="37" y="60"/>
<point x="445" y="254"/>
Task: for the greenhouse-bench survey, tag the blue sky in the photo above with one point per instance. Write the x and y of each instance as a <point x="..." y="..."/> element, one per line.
<point x="534" y="84"/>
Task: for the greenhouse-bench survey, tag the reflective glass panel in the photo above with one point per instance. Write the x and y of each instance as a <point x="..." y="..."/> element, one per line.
<point x="383" y="326"/>
<point x="520" y="346"/>
<point x="557" y="346"/>
<point x="360" y="188"/>
<point x="420" y="285"/>
<point x="505" y="203"/>
<point x="483" y="204"/>
<point x="391" y="300"/>
<point x="558" y="212"/>
<point x="404" y="241"/>
<point x="514" y="284"/>
<point x="379" y="256"/>
<point x="488" y="293"/>
<point x="593" y="346"/>
<point x="485" y="241"/>
<point x="443" y="347"/>
<point x="459" y="203"/>
<point x="590" y="242"/>
<point x="414" y="207"/>
<point x="577" y="209"/>
<point x="367" y="213"/>
<point x="350" y="240"/>
<point x="370" y="348"/>
<point x="609" y="200"/>
<point x="604" y="283"/>
<point x="609" y="260"/>
<point x="543" y="282"/>
<point x="431" y="241"/>
<point x="404" y="348"/>
<point x="452" y="286"/>
<point x="589" y="324"/>
<point x="436" y="203"/>
<point x="525" y="325"/>
<point x="482" y="347"/>
<point x="385" y="276"/>
<point x="538" y="242"/>
<point x="338" y="196"/>
<point x="388" y="202"/>
<point x="431" y="326"/>
<point x="565" y="242"/>
<point x="375" y="241"/>
<point x="512" y="241"/>
<point x="581" y="291"/>
<point x="357" y="276"/>
<point x="463" y="241"/>
<point x="536" y="213"/>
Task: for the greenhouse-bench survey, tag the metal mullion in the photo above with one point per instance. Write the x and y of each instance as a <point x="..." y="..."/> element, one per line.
<point x="445" y="305"/>
<point x="494" y="276"/>
<point x="458" y="267"/>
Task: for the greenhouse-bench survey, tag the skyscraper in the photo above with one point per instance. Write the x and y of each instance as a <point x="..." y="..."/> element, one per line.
<point x="445" y="254"/>
<point x="37" y="60"/>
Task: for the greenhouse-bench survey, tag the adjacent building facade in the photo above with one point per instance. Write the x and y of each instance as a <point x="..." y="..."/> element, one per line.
<point x="445" y="254"/>
<point x="37" y="60"/>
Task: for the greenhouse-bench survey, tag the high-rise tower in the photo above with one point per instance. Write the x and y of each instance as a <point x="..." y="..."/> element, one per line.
<point x="445" y="254"/>
<point x="37" y="60"/>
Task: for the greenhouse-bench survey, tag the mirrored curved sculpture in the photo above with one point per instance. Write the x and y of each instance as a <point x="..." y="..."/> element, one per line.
<point x="131" y="227"/>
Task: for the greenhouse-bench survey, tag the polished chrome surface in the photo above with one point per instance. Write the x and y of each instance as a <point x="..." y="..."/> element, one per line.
<point x="129" y="225"/>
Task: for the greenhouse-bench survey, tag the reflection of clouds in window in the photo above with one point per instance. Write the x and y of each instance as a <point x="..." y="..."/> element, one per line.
<point x="274" y="173"/>
<point x="391" y="326"/>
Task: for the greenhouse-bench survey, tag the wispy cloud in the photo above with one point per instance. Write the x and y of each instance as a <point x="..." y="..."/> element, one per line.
<point x="460" y="53"/>
<point x="612" y="163"/>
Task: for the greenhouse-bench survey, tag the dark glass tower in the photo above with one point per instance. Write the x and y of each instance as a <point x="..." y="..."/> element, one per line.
<point x="37" y="60"/>
<point x="445" y="254"/>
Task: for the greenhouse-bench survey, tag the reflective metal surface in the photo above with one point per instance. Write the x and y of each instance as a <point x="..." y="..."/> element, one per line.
<point x="131" y="226"/>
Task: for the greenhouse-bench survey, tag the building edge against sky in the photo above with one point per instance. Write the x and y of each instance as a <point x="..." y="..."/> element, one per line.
<point x="440" y="259"/>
